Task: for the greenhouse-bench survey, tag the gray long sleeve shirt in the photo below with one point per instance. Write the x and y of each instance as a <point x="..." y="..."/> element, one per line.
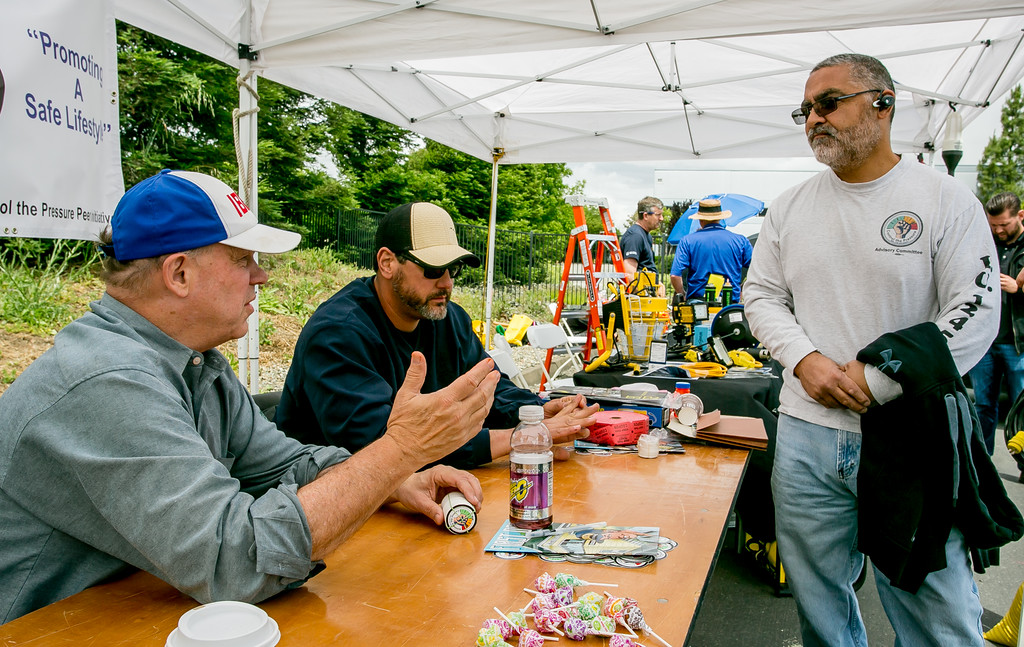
<point x="120" y="447"/>
<point x="838" y="264"/>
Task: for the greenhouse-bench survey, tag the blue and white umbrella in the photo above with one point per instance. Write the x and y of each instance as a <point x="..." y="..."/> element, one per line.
<point x="741" y="206"/>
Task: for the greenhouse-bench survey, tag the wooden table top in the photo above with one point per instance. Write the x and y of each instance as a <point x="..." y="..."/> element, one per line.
<point x="400" y="580"/>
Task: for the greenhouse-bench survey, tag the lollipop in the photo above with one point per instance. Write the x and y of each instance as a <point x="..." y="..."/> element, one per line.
<point x="563" y="596"/>
<point x="547" y="621"/>
<point x="592" y="598"/>
<point x="567" y="579"/>
<point x="576" y="628"/>
<point x="602" y="626"/>
<point x="618" y="640"/>
<point x="516" y="621"/>
<point x="489" y="637"/>
<point x="613" y="607"/>
<point x="545" y="583"/>
<point x="634" y="619"/>
<point x="531" y="638"/>
<point x="571" y="611"/>
<point x="589" y="610"/>
<point x="502" y="626"/>
<point x="540" y="601"/>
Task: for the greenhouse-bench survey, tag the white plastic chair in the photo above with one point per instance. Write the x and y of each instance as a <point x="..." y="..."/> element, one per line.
<point x="501" y="343"/>
<point x="508" y="366"/>
<point x="547" y="336"/>
<point x="574" y="339"/>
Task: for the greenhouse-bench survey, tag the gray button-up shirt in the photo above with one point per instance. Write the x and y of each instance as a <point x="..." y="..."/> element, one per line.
<point x="120" y="448"/>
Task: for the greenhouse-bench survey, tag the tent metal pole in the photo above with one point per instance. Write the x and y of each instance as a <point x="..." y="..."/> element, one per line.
<point x="246" y="152"/>
<point x="498" y="153"/>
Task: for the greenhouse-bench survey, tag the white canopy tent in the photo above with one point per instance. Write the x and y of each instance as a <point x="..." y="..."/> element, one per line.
<point x="602" y="80"/>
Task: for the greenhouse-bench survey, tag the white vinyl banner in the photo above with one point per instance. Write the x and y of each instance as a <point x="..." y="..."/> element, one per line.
<point x="60" y="152"/>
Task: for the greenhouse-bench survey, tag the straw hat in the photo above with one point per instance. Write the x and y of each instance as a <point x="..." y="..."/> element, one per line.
<point x="710" y="210"/>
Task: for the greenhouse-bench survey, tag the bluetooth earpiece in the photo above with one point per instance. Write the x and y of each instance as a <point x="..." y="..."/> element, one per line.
<point x="884" y="101"/>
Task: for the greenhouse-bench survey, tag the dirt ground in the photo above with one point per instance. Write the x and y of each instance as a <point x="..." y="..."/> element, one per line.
<point x="18" y="350"/>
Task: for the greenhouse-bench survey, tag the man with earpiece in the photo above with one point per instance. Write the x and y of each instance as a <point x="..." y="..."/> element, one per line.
<point x="872" y="283"/>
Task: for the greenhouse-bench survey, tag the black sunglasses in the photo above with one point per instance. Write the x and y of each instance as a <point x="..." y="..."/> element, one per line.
<point x="434" y="273"/>
<point x="822" y="107"/>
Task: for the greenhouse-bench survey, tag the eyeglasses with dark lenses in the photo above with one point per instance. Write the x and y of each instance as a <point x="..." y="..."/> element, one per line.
<point x="434" y="273"/>
<point x="822" y="107"/>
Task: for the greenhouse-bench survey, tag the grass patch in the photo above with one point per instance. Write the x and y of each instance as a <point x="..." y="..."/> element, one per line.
<point x="45" y="284"/>
<point x="302" y="279"/>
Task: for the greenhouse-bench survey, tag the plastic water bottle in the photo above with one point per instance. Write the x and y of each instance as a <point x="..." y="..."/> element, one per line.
<point x="690" y="407"/>
<point x="531" y="482"/>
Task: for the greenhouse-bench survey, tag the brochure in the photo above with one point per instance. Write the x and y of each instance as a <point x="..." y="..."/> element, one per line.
<point x="574" y="539"/>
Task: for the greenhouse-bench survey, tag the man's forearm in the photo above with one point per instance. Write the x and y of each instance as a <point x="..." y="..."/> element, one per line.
<point x="630" y="266"/>
<point x="344" y="496"/>
<point x="501" y="442"/>
<point x="677" y="283"/>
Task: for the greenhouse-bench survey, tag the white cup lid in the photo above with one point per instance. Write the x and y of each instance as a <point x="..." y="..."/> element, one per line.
<point x="225" y="624"/>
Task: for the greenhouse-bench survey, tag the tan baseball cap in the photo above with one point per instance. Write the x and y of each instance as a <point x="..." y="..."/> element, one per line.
<point x="425" y="232"/>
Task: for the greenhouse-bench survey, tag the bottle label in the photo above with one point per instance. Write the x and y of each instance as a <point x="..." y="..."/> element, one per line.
<point x="530" y="491"/>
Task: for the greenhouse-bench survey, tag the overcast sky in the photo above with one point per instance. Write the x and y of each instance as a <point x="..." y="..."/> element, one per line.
<point x="623" y="183"/>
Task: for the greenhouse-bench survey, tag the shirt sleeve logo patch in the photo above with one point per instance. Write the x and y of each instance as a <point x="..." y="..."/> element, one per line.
<point x="902" y="229"/>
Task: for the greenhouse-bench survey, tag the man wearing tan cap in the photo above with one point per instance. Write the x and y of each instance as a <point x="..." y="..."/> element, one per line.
<point x="352" y="353"/>
<point x="712" y="249"/>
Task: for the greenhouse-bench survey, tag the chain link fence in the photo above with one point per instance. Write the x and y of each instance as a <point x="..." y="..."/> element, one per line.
<point x="524" y="260"/>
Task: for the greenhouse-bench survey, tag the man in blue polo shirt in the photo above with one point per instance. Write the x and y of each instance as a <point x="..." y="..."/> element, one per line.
<point x="712" y="249"/>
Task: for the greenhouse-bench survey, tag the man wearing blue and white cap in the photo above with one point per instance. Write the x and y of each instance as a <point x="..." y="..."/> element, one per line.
<point x="132" y="444"/>
<point x="352" y="353"/>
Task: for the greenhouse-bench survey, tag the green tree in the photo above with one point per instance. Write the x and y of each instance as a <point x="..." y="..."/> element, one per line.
<point x="1002" y="164"/>
<point x="176" y="107"/>
<point x="530" y="196"/>
<point x="360" y="143"/>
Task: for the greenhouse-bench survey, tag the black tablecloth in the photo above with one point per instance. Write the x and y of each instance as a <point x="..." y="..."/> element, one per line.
<point x="755" y="397"/>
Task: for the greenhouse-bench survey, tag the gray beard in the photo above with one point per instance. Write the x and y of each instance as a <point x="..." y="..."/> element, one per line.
<point x="846" y="149"/>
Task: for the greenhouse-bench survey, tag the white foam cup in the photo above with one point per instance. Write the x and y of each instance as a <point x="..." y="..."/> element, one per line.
<point x="225" y="624"/>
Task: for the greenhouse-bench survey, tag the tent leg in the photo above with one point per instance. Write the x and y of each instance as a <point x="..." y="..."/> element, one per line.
<point x="246" y="152"/>
<point x="491" y="230"/>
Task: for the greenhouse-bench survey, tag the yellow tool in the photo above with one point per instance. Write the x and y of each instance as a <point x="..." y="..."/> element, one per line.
<point x="744" y="359"/>
<point x="641" y="316"/>
<point x="704" y="369"/>
<point x="606" y="352"/>
<point x="1016" y="444"/>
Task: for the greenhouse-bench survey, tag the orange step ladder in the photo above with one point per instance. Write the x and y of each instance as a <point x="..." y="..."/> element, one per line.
<point x="591" y="249"/>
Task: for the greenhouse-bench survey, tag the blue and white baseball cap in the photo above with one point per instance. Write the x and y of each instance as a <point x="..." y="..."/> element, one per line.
<point x="174" y="211"/>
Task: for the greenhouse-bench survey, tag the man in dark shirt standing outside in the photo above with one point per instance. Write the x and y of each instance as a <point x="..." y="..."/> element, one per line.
<point x="1006" y="355"/>
<point x="637" y="246"/>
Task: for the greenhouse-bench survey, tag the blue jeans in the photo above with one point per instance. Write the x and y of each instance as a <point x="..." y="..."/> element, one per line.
<point x="814" y="483"/>
<point x="987" y="381"/>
